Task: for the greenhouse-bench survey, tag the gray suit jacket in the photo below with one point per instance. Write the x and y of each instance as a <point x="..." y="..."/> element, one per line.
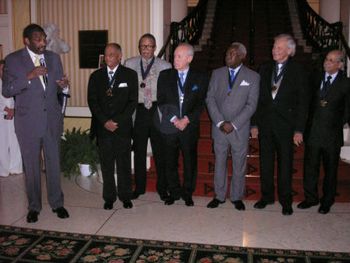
<point x="238" y="106"/>
<point x="37" y="111"/>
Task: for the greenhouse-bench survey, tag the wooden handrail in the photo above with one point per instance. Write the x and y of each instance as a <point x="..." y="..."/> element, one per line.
<point x="322" y="35"/>
<point x="188" y="30"/>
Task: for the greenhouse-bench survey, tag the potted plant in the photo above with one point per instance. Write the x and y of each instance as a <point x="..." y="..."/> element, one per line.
<point x="77" y="148"/>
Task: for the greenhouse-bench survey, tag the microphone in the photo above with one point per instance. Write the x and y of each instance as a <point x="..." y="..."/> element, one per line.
<point x="43" y="64"/>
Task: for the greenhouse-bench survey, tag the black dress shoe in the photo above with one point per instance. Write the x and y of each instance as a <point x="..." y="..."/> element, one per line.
<point x="170" y="200"/>
<point x="61" y="212"/>
<point x="239" y="205"/>
<point x="305" y="204"/>
<point x="189" y="201"/>
<point x="287" y="210"/>
<point x="127" y="204"/>
<point x="324" y="209"/>
<point x="262" y="204"/>
<point x="32" y="216"/>
<point x="214" y="203"/>
<point x="163" y="196"/>
<point x="108" y="205"/>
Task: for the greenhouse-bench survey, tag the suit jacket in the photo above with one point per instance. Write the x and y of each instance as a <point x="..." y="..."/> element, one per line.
<point x="325" y="123"/>
<point x="151" y="80"/>
<point x="37" y="111"/>
<point x="286" y="113"/>
<point x="239" y="106"/>
<point x="195" y="89"/>
<point x="118" y="107"/>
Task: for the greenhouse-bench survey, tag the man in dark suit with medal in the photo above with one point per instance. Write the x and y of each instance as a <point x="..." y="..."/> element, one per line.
<point x="112" y="98"/>
<point x="279" y="121"/>
<point x="181" y="98"/>
<point x="146" y="124"/>
<point x="324" y="133"/>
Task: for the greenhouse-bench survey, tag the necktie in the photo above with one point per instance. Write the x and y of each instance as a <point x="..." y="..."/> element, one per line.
<point x="232" y="75"/>
<point x="110" y="75"/>
<point x="326" y="85"/>
<point x="182" y="78"/>
<point x="38" y="64"/>
<point x="279" y="69"/>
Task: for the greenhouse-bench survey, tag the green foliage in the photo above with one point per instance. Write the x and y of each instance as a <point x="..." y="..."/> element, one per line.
<point x="77" y="147"/>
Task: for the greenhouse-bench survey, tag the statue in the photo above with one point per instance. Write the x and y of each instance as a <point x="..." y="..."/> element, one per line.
<point x="54" y="42"/>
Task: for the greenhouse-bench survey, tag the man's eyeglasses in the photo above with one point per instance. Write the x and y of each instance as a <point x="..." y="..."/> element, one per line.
<point x="147" y="46"/>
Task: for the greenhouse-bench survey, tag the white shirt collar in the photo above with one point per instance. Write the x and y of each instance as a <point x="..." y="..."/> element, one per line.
<point x="236" y="69"/>
<point x="114" y="70"/>
<point x="33" y="55"/>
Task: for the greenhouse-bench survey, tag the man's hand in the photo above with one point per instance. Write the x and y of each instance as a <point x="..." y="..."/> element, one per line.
<point x="181" y="124"/>
<point x="226" y="127"/>
<point x="254" y="132"/>
<point x="10" y="113"/>
<point x="63" y="82"/>
<point x="298" y="138"/>
<point x="36" y="72"/>
<point x="111" y="125"/>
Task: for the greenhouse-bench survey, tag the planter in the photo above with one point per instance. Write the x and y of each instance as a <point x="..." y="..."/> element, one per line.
<point x="85" y="169"/>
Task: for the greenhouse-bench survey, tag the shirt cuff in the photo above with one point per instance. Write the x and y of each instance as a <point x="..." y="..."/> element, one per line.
<point x="219" y="124"/>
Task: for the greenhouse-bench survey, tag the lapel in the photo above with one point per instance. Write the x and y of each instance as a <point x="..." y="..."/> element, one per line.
<point x="188" y="82"/>
<point x="174" y="79"/>
<point x="285" y="77"/>
<point x="239" y="79"/>
<point x="28" y="64"/>
<point x="334" y="86"/>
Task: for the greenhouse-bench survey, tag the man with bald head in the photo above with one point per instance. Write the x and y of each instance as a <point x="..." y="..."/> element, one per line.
<point x="181" y="98"/>
<point x="112" y="99"/>
<point x="231" y="100"/>
<point x="279" y="121"/>
<point x="324" y="133"/>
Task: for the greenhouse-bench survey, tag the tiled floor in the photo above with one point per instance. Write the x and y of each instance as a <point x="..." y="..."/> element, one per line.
<point x="151" y="219"/>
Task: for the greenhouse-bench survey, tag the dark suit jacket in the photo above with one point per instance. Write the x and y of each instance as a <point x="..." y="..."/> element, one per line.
<point x="37" y="111"/>
<point x="288" y="111"/>
<point x="119" y="107"/>
<point x="195" y="87"/>
<point x="325" y="124"/>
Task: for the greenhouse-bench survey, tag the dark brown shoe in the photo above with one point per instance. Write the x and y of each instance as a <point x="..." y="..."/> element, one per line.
<point x="32" y="216"/>
<point x="214" y="203"/>
<point x="61" y="212"/>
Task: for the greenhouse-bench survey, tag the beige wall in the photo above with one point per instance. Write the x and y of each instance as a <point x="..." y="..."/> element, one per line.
<point x="125" y="20"/>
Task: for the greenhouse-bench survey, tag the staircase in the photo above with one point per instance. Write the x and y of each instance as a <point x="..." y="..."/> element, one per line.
<point x="230" y="23"/>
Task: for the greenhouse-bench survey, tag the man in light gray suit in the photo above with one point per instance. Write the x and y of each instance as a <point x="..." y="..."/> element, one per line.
<point x="231" y="101"/>
<point x="34" y="76"/>
<point x="147" y="121"/>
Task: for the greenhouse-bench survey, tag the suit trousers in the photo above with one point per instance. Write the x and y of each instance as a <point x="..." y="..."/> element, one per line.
<point x="115" y="151"/>
<point x="276" y="144"/>
<point x="239" y="161"/>
<point x="31" y="154"/>
<point x="329" y="155"/>
<point x="186" y="142"/>
<point x="144" y="128"/>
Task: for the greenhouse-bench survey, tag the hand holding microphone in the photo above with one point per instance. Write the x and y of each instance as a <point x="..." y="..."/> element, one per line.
<point x="43" y="64"/>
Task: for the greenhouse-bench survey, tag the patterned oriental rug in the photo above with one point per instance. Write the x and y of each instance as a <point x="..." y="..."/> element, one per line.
<point x="29" y="245"/>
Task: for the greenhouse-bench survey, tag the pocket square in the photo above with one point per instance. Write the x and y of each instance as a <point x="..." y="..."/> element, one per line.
<point x="244" y="83"/>
<point x="123" y="85"/>
<point x="195" y="87"/>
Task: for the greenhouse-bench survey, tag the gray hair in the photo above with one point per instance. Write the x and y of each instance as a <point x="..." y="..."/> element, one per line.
<point x="290" y="42"/>
<point x="239" y="47"/>
<point x="190" y="50"/>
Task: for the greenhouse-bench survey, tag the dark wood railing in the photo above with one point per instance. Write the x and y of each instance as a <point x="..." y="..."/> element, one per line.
<point x="322" y="35"/>
<point x="188" y="30"/>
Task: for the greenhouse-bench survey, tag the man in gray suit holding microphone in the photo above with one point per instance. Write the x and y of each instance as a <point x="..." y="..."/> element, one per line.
<point x="35" y="77"/>
<point x="231" y="101"/>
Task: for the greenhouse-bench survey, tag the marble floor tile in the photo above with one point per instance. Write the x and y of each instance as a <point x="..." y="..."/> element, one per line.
<point x="151" y="219"/>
